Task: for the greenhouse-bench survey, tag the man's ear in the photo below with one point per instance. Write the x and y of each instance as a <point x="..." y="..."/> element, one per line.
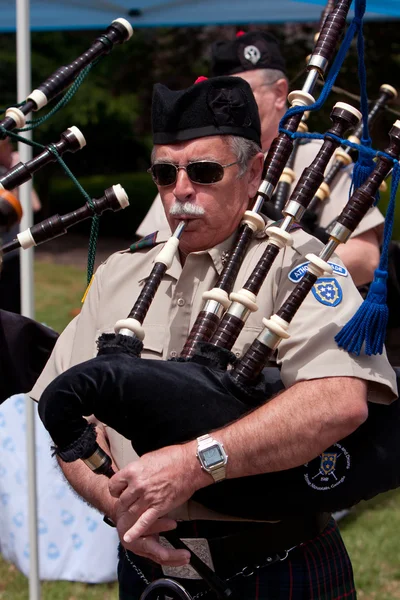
<point x="281" y="88"/>
<point x="255" y="171"/>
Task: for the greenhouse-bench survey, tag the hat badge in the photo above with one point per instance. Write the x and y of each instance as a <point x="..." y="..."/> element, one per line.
<point x="252" y="54"/>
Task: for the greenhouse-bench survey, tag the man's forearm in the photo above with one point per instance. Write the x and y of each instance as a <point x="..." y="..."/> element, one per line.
<point x="91" y="487"/>
<point x="361" y="256"/>
<point x="293" y="428"/>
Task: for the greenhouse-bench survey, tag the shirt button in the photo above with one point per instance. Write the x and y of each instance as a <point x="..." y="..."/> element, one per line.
<point x="181" y="302"/>
<point x="237" y="354"/>
<point x="173" y="354"/>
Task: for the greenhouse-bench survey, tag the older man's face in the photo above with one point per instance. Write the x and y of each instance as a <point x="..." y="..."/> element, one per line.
<point x="213" y="211"/>
<point x="271" y="102"/>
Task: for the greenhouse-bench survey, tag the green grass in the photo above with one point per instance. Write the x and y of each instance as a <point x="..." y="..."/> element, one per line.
<point x="371" y="534"/>
<point x="371" y="531"/>
<point x="58" y="292"/>
<point x="14" y="586"/>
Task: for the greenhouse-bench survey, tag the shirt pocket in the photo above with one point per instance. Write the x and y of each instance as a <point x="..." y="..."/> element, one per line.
<point x="154" y="341"/>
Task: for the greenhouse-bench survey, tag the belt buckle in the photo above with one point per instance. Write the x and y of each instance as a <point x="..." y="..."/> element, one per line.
<point x="200" y="547"/>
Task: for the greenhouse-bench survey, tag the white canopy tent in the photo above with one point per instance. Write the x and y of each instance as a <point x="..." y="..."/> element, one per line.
<point x="41" y="15"/>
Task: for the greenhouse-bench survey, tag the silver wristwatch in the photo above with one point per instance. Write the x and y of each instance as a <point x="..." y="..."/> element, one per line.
<point x="212" y="457"/>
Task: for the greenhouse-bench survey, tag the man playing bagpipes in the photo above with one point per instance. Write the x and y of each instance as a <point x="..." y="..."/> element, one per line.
<point x="207" y="165"/>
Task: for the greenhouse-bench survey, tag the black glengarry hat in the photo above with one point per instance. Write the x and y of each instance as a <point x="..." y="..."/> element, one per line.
<point x="248" y="51"/>
<point x="218" y="106"/>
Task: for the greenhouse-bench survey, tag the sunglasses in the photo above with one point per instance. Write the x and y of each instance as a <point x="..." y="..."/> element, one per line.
<point x="204" y="172"/>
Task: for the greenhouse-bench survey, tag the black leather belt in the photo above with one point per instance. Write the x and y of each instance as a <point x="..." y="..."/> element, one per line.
<point x="237" y="544"/>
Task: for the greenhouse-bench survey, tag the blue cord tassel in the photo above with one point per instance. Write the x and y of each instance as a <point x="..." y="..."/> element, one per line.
<point x="362" y="170"/>
<point x="369" y="323"/>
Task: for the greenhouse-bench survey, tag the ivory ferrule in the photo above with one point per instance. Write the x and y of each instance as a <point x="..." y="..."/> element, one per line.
<point x="317" y="266"/>
<point x="323" y="191"/>
<point x="127" y="26"/>
<point x="279" y="237"/>
<point x="166" y="255"/>
<point x="288" y="175"/>
<point x="121" y="195"/>
<point x="26" y="239"/>
<point x="219" y="296"/>
<point x="300" y="98"/>
<point x="17" y="116"/>
<point x="78" y="134"/>
<point x="385" y="87"/>
<point x="253" y="220"/>
<point x="275" y="330"/>
<point x="39" y="98"/>
<point x="244" y="298"/>
<point x="354" y="139"/>
<point x="129" y="327"/>
<point x="343" y="156"/>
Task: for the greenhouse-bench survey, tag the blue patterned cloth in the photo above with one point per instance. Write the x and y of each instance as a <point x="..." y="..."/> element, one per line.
<point x="74" y="542"/>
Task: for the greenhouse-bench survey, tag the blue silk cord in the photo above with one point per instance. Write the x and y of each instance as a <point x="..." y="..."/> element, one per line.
<point x="364" y="164"/>
<point x="368" y="326"/>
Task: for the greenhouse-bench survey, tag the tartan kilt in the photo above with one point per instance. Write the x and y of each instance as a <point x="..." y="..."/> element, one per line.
<point x="319" y="569"/>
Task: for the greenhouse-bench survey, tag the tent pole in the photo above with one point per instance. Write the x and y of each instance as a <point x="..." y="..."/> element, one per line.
<point x="27" y="303"/>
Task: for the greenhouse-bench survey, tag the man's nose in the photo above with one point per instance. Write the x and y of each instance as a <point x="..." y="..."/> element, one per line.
<point x="184" y="189"/>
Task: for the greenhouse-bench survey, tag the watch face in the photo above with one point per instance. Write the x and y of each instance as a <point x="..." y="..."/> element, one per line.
<point x="212" y="456"/>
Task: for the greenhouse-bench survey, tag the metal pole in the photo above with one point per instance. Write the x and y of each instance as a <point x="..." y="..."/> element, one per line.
<point x="24" y="87"/>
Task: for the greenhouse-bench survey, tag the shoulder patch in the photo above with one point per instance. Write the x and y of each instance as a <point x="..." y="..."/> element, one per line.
<point x="148" y="241"/>
<point x="327" y="291"/>
<point x="298" y="272"/>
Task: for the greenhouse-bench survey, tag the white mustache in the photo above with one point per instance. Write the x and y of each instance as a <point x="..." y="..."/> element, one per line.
<point x="186" y="208"/>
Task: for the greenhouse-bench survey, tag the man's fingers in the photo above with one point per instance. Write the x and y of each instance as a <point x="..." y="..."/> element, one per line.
<point x="127" y="500"/>
<point x="142" y="525"/>
<point x="163" y="524"/>
<point x="117" y="485"/>
<point x="149" y="547"/>
<point x="164" y="555"/>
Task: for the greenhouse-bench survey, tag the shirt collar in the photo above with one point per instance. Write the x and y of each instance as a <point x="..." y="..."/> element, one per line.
<point x="217" y="254"/>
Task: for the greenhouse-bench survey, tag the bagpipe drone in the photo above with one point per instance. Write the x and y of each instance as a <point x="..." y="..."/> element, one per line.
<point x="20" y="336"/>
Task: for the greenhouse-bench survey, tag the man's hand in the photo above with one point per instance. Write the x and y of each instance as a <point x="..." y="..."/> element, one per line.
<point x="149" y="546"/>
<point x="152" y="486"/>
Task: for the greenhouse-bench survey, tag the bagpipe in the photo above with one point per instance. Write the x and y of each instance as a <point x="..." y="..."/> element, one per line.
<point x="218" y="394"/>
<point x="118" y="32"/>
<point x="20" y="336"/>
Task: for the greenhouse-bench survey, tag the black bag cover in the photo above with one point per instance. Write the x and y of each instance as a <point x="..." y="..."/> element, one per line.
<point x="156" y="404"/>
